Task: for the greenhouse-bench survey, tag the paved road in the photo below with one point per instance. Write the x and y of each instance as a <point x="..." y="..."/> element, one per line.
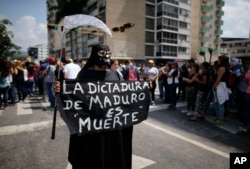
<point x="165" y="140"/>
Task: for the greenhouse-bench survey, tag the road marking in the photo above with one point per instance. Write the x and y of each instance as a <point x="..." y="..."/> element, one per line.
<point x="15" y="129"/>
<point x="203" y="146"/>
<point x="137" y="162"/>
<point x="141" y="162"/>
<point x="24" y="108"/>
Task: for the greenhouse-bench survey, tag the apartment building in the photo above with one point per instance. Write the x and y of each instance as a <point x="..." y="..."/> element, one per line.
<point x="141" y="30"/>
<point x="206" y="28"/>
<point x="38" y="52"/>
<point x="236" y="47"/>
<point x="42" y="51"/>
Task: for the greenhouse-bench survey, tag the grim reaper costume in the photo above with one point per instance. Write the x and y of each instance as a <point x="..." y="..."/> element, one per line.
<point x="107" y="149"/>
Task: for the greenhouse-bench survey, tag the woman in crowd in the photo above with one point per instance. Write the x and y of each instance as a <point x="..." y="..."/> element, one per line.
<point x="246" y="109"/>
<point x="203" y="87"/>
<point x="173" y="82"/>
<point x="152" y="74"/>
<point x="31" y="80"/>
<point x="114" y="66"/>
<point x="5" y="67"/>
<point x="20" y="85"/>
<point x="191" y="89"/>
<point x="165" y="72"/>
<point x="219" y="88"/>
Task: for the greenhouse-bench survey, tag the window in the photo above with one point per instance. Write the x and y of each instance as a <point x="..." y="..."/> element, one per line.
<point x="149" y="23"/>
<point x="149" y="37"/>
<point x="183" y="25"/>
<point x="170" y="24"/>
<point x="184" y="12"/>
<point x="165" y="9"/>
<point x="168" y="50"/>
<point x="184" y="1"/>
<point x="149" y="50"/>
<point x="152" y="1"/>
<point x="150" y="10"/>
<point x="182" y="50"/>
<point x="167" y="37"/>
<point x="183" y="37"/>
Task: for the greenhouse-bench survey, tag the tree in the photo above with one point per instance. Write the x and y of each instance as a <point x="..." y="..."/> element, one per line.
<point x="7" y="48"/>
<point x="202" y="53"/>
<point x="210" y="50"/>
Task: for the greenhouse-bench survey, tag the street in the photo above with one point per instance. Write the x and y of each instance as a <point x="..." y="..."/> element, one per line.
<point x="165" y="140"/>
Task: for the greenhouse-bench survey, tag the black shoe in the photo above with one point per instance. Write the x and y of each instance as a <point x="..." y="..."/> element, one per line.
<point x="172" y="108"/>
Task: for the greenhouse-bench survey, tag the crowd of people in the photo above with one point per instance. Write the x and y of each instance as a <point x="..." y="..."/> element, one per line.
<point x="225" y="84"/>
<point x="20" y="79"/>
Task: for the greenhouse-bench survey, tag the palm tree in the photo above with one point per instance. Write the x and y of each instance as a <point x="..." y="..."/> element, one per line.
<point x="210" y="50"/>
<point x="202" y="53"/>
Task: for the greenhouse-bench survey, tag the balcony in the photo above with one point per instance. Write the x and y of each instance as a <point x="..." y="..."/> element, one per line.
<point x="205" y="8"/>
<point x="218" y="50"/>
<point x="218" y="31"/>
<point x="204" y="38"/>
<point x="217" y="41"/>
<point x="220" y="3"/>
<point x="204" y="49"/>
<point x="219" y="22"/>
<point x="204" y="29"/>
<point x="219" y="13"/>
<point x="205" y="19"/>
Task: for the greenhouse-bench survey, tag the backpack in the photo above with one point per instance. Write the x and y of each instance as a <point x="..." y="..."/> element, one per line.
<point x="132" y="76"/>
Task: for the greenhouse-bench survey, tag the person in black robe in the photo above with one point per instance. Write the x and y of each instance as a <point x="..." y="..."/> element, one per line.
<point x="106" y="149"/>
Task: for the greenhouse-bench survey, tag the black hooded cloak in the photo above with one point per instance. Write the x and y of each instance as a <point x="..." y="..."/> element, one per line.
<point x="103" y="150"/>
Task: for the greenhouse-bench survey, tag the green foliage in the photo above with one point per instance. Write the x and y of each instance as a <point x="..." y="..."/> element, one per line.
<point x="7" y="48"/>
<point x="210" y="50"/>
<point x="202" y="53"/>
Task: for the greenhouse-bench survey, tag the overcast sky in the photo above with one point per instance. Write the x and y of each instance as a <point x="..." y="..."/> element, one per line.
<point x="29" y="18"/>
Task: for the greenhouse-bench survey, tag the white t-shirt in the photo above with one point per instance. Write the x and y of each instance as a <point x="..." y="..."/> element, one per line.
<point x="151" y="72"/>
<point x="71" y="70"/>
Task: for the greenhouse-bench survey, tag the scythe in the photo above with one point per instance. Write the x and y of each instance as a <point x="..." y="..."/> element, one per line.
<point x="70" y="22"/>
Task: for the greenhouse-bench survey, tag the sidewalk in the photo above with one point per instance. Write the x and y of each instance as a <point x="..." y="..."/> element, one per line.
<point x="231" y="124"/>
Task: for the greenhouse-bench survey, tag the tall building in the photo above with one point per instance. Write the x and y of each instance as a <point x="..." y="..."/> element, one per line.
<point x="141" y="30"/>
<point x="38" y="52"/>
<point x="206" y="28"/>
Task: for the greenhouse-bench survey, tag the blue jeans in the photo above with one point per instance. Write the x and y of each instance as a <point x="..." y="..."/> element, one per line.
<point x="161" y="86"/>
<point x="50" y="93"/>
<point x="5" y="92"/>
<point x="21" y="92"/>
<point x="29" y="87"/>
<point x="173" y="94"/>
<point x="219" y="108"/>
<point x="12" y="94"/>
